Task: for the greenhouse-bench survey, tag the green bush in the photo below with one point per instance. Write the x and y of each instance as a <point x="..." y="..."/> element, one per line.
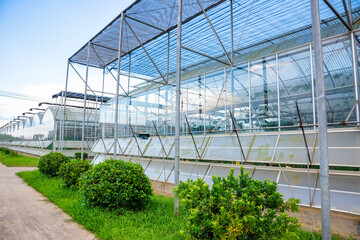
<point x="72" y="170"/>
<point x="116" y="184"/>
<point x="236" y="208"/>
<point x="78" y="155"/>
<point x="13" y="153"/>
<point x="49" y="164"/>
<point x="8" y="151"/>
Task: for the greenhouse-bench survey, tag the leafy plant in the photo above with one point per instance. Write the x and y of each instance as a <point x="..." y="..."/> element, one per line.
<point x="78" y="155"/>
<point x="49" y="164"/>
<point x="116" y="184"/>
<point x="236" y="208"/>
<point x="8" y="151"/>
<point x="72" y="170"/>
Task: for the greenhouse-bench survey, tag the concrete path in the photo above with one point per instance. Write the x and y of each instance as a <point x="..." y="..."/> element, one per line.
<point x="26" y="214"/>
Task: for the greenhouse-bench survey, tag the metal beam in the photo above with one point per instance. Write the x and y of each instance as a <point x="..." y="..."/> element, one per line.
<point x="146" y="24"/>
<point x="162" y="145"/>
<point x="143" y="79"/>
<point x="84" y="110"/>
<point x="81" y="77"/>
<point x="322" y="120"/>
<point x="57" y="104"/>
<point x="108" y="48"/>
<point x="355" y="73"/>
<point x="64" y="106"/>
<point x="347" y="13"/>
<point x="232" y="30"/>
<point x="61" y="120"/>
<point x="137" y="143"/>
<point x="337" y="15"/>
<point x="117" y="86"/>
<point x="213" y="29"/>
<point x="205" y="55"/>
<point x="193" y="139"/>
<point x="142" y="46"/>
<point x="155" y="37"/>
<point x="237" y="136"/>
<point x="303" y="132"/>
<point x="118" y="82"/>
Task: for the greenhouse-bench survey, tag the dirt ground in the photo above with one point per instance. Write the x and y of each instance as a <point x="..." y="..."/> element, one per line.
<point x="26" y="214"/>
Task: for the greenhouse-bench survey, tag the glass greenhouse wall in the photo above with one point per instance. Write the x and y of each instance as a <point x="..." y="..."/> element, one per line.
<point x="261" y="93"/>
<point x="46" y="126"/>
<point x="43" y="131"/>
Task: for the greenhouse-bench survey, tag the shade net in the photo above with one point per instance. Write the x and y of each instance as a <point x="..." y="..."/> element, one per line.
<point x="260" y="27"/>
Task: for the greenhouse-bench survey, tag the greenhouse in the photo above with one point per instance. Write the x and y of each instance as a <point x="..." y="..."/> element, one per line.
<point x="206" y="86"/>
<point x="237" y="87"/>
<point x="219" y="84"/>
<point x="40" y="133"/>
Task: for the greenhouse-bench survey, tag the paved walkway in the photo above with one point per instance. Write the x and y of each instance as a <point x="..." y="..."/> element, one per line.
<point x="26" y="214"/>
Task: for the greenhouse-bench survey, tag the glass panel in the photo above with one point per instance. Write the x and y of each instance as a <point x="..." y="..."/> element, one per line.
<point x="264" y="92"/>
<point x="295" y="85"/>
<point x="240" y="95"/>
<point x="216" y="100"/>
<point x="339" y="79"/>
<point x="193" y="102"/>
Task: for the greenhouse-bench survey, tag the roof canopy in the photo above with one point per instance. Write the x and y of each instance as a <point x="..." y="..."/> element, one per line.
<point x="76" y="95"/>
<point x="149" y="19"/>
<point x="149" y="33"/>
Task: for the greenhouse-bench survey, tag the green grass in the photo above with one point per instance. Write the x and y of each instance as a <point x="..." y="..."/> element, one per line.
<point x="305" y="235"/>
<point x="18" y="161"/>
<point x="155" y="222"/>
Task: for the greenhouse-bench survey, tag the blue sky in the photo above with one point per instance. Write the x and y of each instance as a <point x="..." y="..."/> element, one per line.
<point x="36" y="39"/>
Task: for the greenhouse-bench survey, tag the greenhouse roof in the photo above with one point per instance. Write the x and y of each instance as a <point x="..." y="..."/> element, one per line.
<point x="75" y="95"/>
<point x="149" y="32"/>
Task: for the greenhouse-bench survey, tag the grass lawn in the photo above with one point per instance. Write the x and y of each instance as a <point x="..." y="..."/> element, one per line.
<point x="156" y="222"/>
<point x="18" y="161"/>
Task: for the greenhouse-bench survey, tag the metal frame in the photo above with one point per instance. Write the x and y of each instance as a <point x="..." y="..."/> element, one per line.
<point x="318" y="63"/>
<point x="142" y="46"/>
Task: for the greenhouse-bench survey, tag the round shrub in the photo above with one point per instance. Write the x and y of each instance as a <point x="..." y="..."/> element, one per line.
<point x="72" y="170"/>
<point x="236" y="208"/>
<point x="116" y="184"/>
<point x="49" y="164"/>
<point x="5" y="150"/>
<point x="13" y="153"/>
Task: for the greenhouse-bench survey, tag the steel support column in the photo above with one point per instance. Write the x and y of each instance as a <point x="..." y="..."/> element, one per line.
<point x="278" y="89"/>
<point x="232" y="60"/>
<point x="322" y="120"/>
<point x="127" y="130"/>
<point x="61" y="121"/>
<point x="103" y="86"/>
<point x="356" y="74"/>
<point x="64" y="109"/>
<point x="85" y="93"/>
<point x="177" y="120"/>
<point x="117" y="87"/>
<point x="232" y="31"/>
<point x="249" y="79"/>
